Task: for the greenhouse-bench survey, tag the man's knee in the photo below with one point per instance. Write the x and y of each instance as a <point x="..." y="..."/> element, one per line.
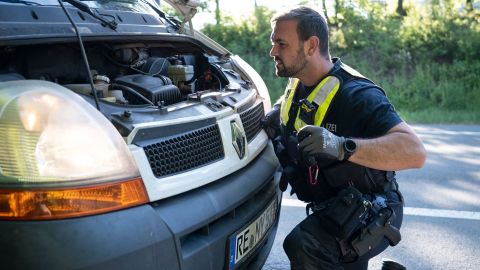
<point x="309" y="236"/>
<point x="311" y="251"/>
<point x="293" y="242"/>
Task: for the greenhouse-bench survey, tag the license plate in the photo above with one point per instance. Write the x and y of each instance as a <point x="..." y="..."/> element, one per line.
<point x="244" y="242"/>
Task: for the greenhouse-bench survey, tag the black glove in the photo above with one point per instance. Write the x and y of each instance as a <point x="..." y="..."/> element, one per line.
<point x="319" y="142"/>
<point x="287" y="174"/>
<point x="271" y="122"/>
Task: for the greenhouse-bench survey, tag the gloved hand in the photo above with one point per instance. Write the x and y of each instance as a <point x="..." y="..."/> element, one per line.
<point x="287" y="174"/>
<point x="319" y="142"/>
<point x="271" y="122"/>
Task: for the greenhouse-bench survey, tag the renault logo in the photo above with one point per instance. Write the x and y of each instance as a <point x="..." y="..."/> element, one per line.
<point x="238" y="139"/>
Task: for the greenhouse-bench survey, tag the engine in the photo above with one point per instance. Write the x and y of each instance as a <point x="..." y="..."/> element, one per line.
<point x="123" y="74"/>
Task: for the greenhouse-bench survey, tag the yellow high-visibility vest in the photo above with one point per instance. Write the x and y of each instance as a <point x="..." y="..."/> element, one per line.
<point x="322" y="95"/>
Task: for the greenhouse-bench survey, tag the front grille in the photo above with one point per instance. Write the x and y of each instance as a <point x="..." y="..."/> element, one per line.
<point x="192" y="243"/>
<point x="251" y="120"/>
<point x="185" y="151"/>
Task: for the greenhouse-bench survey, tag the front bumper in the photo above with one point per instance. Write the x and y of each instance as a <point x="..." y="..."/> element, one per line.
<point x="188" y="231"/>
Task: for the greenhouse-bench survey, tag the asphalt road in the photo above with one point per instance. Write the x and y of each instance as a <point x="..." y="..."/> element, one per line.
<point x="441" y="226"/>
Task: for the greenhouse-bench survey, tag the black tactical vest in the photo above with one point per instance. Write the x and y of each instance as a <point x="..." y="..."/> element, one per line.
<point x="332" y="175"/>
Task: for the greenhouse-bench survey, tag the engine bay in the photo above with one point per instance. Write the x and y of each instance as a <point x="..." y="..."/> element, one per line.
<point x="133" y="81"/>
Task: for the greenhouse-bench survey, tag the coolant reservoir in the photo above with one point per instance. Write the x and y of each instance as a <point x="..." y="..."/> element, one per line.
<point x="180" y="73"/>
<point x="101" y="83"/>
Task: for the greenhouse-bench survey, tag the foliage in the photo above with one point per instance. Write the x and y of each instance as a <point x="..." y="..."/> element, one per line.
<point x="427" y="60"/>
<point x="250" y="38"/>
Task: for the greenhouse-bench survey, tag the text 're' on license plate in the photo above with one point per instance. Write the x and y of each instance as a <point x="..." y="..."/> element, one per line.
<point x="245" y="241"/>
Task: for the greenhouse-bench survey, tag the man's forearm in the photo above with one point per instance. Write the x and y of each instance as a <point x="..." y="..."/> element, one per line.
<point x="399" y="149"/>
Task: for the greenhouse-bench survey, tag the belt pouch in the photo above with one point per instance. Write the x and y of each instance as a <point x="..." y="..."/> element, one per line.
<point x="344" y="213"/>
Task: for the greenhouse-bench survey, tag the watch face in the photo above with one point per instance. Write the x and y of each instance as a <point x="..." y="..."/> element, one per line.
<point x="350" y="146"/>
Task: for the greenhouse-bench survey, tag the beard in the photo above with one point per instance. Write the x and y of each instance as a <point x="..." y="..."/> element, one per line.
<point x="298" y="65"/>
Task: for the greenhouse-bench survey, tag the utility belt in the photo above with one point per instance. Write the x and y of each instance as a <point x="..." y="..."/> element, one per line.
<point x="313" y="184"/>
<point x="359" y="222"/>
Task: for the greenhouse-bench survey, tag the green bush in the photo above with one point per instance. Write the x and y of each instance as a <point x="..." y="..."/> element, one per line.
<point x="427" y="61"/>
<point x="250" y="39"/>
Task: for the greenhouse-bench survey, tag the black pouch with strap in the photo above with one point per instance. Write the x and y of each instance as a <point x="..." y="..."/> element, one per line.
<point x="366" y="180"/>
<point x="343" y="215"/>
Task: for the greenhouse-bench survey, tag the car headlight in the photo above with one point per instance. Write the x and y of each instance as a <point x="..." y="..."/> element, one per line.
<point x="256" y="79"/>
<point x="60" y="157"/>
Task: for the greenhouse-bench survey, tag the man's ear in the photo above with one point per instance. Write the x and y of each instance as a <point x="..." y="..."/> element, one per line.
<point x="312" y="45"/>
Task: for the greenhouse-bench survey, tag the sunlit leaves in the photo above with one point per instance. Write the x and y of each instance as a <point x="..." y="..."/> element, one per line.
<point x="429" y="58"/>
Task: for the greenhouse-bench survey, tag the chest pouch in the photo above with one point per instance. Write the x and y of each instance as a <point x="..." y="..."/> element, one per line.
<point x="366" y="180"/>
<point x="307" y="112"/>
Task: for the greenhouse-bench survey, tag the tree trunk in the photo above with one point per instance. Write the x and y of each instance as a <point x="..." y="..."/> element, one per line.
<point x="217" y="11"/>
<point x="337" y="7"/>
<point x="469" y="5"/>
<point x="324" y="5"/>
<point x="400" y="10"/>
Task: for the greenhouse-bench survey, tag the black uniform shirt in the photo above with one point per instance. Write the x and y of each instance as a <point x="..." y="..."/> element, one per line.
<point x="360" y="109"/>
<point x="361" y="112"/>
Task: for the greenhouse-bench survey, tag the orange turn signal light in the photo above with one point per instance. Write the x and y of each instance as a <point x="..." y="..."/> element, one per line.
<point x="60" y="203"/>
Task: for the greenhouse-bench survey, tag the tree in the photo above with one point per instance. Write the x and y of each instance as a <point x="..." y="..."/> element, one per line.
<point x="324" y="5"/>
<point x="400" y="10"/>
<point x="469" y="5"/>
<point x="217" y="12"/>
<point x="339" y="4"/>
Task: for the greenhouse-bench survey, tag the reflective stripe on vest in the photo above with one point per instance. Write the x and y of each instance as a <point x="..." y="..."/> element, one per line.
<point x="322" y="96"/>
<point x="288" y="99"/>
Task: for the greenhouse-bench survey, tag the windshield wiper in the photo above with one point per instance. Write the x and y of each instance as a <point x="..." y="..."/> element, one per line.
<point x="162" y="14"/>
<point x="85" y="8"/>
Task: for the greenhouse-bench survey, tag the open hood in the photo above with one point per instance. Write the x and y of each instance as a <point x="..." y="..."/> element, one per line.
<point x="187" y="8"/>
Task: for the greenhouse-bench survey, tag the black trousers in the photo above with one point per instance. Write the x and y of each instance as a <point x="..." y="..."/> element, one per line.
<point x="310" y="247"/>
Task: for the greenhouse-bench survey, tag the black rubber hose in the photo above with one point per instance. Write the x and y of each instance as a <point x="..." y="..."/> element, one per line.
<point x="131" y="90"/>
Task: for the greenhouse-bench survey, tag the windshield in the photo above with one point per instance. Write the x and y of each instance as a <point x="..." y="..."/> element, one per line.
<point x="141" y="6"/>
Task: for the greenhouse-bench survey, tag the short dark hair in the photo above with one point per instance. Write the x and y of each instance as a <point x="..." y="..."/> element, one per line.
<point x="310" y="23"/>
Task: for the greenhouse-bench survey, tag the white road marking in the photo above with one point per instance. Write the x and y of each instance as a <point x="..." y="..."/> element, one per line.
<point x="412" y="211"/>
<point x="442" y="213"/>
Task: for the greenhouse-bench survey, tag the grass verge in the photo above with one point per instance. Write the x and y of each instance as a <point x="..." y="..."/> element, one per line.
<point x="439" y="116"/>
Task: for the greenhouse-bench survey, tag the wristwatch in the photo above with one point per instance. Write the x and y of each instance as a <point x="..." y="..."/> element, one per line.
<point x="349" y="147"/>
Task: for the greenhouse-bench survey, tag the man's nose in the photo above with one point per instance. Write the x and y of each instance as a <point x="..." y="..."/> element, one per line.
<point x="273" y="51"/>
